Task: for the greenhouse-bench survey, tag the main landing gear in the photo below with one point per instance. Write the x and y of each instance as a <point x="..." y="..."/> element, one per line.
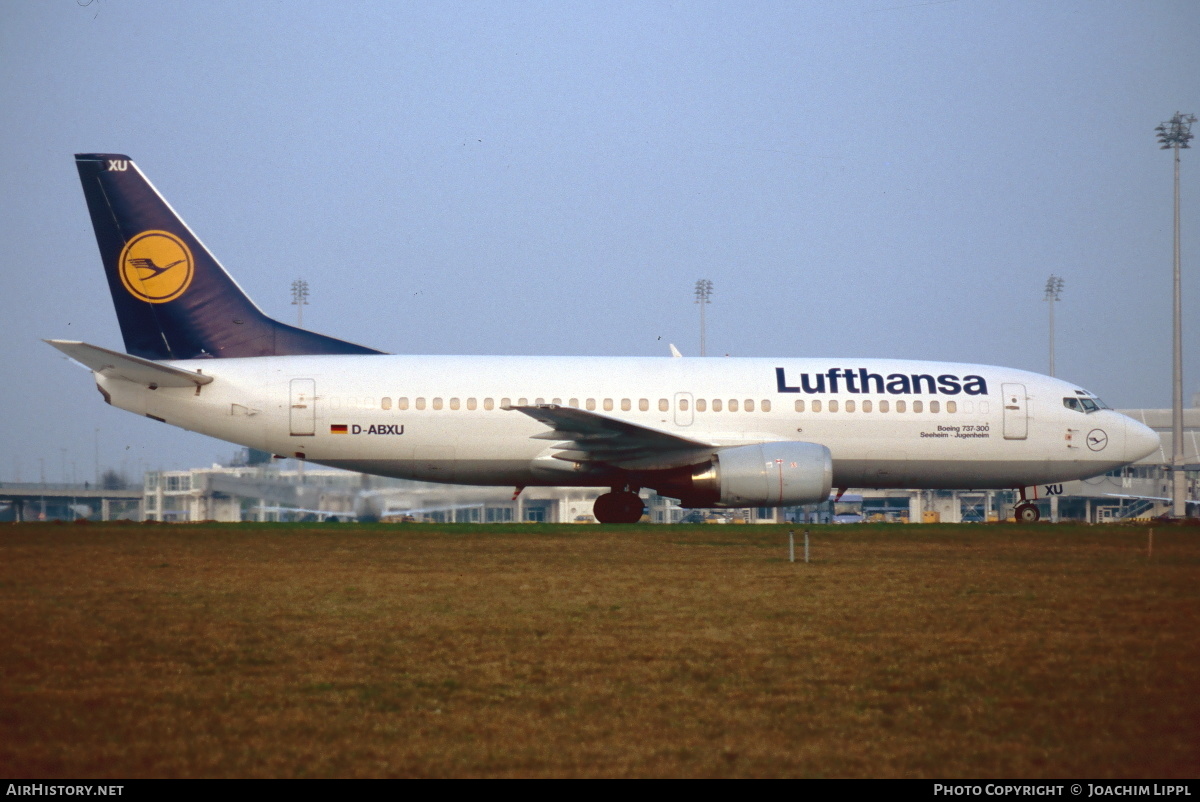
<point x="621" y="506"/>
<point x="1026" y="512"/>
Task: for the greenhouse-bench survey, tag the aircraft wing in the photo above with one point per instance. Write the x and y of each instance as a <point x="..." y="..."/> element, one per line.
<point x="130" y="368"/>
<point x="587" y="437"/>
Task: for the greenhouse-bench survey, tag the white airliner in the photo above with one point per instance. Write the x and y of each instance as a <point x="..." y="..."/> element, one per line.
<point x="709" y="432"/>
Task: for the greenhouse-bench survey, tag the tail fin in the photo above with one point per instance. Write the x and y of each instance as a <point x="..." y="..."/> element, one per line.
<point x="173" y="299"/>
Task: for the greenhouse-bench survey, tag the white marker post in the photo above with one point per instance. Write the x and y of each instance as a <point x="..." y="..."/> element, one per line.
<point x="791" y="545"/>
<point x="806" y="546"/>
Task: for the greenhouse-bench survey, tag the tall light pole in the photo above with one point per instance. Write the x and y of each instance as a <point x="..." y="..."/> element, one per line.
<point x="1054" y="286"/>
<point x="300" y="299"/>
<point x="1174" y="134"/>
<point x="704" y="289"/>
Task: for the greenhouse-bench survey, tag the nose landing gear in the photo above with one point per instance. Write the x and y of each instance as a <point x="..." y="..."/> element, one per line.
<point x="621" y="506"/>
<point x="1026" y="512"/>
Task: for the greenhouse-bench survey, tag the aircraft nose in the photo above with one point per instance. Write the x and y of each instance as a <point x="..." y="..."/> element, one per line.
<point x="1140" y="440"/>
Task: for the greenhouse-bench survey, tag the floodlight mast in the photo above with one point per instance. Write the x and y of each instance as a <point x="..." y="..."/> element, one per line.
<point x="1054" y="286"/>
<point x="1175" y="134"/>
<point x="704" y="289"/>
<point x="300" y="299"/>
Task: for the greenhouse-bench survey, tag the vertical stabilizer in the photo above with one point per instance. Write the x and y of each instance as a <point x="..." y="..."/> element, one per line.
<point x="173" y="299"/>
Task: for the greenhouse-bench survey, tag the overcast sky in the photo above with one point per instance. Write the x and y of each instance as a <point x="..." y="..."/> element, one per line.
<point x="857" y="178"/>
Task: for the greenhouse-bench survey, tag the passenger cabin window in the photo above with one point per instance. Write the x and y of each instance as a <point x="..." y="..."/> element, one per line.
<point x="833" y="406"/>
<point x="900" y="405"/>
<point x="471" y="403"/>
<point x="643" y="404"/>
<point x="420" y="403"/>
<point x="952" y="407"/>
<point x="573" y="403"/>
<point x="608" y="405"/>
<point x="590" y="404"/>
<point x="733" y="405"/>
<point x="701" y="405"/>
<point x="749" y="407"/>
<point x="664" y="405"/>
<point x="799" y="404"/>
<point x="934" y="406"/>
<point x="488" y="403"/>
<point x="626" y="405"/>
<point x="884" y="406"/>
<point x="816" y="405"/>
<point x="386" y="403"/>
<point x="850" y="406"/>
<point x="765" y="406"/>
<point x="866" y="406"/>
<point x="918" y="406"/>
<point x="505" y="403"/>
<point x="716" y="405"/>
<point x="437" y="403"/>
<point x="453" y="403"/>
<point x="683" y="404"/>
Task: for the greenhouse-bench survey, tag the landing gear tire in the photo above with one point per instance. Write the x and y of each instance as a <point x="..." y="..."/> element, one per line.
<point x="1027" y="514"/>
<point x="618" y="507"/>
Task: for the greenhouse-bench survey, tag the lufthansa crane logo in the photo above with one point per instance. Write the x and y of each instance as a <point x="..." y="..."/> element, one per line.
<point x="1097" y="439"/>
<point x="156" y="267"/>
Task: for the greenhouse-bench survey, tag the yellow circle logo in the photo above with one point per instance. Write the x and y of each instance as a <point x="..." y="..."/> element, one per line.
<point x="156" y="267"/>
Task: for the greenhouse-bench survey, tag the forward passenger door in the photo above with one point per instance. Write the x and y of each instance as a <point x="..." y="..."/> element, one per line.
<point x="1016" y="412"/>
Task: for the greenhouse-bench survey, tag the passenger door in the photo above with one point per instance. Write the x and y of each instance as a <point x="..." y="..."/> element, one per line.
<point x="1016" y="412"/>
<point x="303" y="408"/>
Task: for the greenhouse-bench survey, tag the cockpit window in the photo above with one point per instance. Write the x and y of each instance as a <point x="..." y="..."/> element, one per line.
<point x="1084" y="404"/>
<point x="1092" y="403"/>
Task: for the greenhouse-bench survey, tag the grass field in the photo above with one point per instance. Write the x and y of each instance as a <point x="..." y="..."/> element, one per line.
<point x="422" y="650"/>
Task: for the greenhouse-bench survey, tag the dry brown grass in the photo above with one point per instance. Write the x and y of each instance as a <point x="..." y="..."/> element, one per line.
<point x="948" y="651"/>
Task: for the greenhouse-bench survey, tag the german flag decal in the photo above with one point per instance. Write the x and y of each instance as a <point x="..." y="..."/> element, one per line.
<point x="338" y="428"/>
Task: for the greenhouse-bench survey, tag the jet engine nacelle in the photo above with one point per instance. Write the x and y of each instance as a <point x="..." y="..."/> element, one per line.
<point x="762" y="475"/>
<point x="774" y="474"/>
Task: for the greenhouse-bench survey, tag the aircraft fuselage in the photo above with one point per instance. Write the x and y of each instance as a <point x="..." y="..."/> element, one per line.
<point x="887" y="423"/>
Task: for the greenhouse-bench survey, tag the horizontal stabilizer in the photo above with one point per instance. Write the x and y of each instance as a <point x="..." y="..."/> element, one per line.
<point x="130" y="368"/>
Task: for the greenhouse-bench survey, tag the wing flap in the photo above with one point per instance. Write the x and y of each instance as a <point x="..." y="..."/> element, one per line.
<point x="588" y="437"/>
<point x="130" y="368"/>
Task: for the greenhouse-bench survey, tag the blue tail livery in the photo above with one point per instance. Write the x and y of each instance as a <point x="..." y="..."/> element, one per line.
<point x="173" y="298"/>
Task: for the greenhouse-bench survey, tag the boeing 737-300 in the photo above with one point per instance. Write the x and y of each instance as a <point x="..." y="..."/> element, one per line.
<point x="709" y="432"/>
